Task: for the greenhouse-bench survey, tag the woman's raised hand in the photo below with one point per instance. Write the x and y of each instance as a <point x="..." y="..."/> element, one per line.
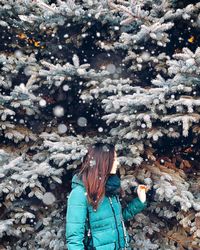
<point x="141" y="191"/>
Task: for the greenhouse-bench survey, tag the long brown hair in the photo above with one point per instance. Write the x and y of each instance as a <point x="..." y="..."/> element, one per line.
<point x="95" y="170"/>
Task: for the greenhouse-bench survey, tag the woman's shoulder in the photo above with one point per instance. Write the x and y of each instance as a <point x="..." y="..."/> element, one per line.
<point x="78" y="190"/>
<point x="77" y="195"/>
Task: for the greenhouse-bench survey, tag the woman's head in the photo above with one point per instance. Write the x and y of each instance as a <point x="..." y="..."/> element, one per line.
<point x="99" y="162"/>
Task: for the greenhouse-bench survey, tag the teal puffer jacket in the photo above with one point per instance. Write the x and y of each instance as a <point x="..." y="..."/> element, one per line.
<point x="106" y="224"/>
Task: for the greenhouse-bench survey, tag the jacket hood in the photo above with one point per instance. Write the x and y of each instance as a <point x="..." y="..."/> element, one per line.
<point x="76" y="181"/>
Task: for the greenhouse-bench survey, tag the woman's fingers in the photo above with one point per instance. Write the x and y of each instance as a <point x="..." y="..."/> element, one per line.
<point x="143" y="188"/>
<point x="141" y="191"/>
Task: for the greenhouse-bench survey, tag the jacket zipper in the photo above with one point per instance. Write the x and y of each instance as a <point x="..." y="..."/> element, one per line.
<point x="115" y="221"/>
<point x="124" y="228"/>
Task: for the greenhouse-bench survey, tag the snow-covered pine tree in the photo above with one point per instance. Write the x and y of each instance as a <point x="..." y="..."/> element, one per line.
<point x="77" y="72"/>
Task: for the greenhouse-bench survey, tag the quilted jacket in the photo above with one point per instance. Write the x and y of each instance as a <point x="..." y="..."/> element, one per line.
<point x="105" y="223"/>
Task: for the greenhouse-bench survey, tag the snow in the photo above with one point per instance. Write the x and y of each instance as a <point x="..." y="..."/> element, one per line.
<point x="100" y="129"/>
<point x="92" y="163"/>
<point x="82" y="121"/>
<point x="42" y="103"/>
<point x="111" y="68"/>
<point x="65" y="87"/>
<point x="58" y="111"/>
<point x="62" y="128"/>
<point x="48" y="198"/>
<point x="145" y="56"/>
<point x="18" y="53"/>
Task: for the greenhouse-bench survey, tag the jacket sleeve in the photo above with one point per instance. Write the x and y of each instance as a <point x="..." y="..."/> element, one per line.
<point x="75" y="219"/>
<point x="134" y="207"/>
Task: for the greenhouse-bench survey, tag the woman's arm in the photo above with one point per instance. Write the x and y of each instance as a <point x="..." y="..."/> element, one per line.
<point x="137" y="204"/>
<point x="134" y="207"/>
<point x="75" y="219"/>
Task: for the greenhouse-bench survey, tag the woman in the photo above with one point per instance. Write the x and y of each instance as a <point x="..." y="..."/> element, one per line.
<point x="96" y="189"/>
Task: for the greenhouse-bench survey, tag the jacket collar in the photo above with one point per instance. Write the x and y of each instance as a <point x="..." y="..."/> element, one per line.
<point x="76" y="181"/>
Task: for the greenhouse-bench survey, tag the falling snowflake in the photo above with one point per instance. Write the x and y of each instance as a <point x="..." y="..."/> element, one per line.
<point x="18" y="53"/>
<point x="58" y="111"/>
<point x="82" y="121"/>
<point x="111" y="68"/>
<point x="92" y="163"/>
<point x="162" y="161"/>
<point x="42" y="103"/>
<point x="52" y="185"/>
<point x="65" y="87"/>
<point x="145" y="56"/>
<point x="48" y="198"/>
<point x="62" y="128"/>
<point x="105" y="148"/>
<point x="100" y="129"/>
<point x="21" y="121"/>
